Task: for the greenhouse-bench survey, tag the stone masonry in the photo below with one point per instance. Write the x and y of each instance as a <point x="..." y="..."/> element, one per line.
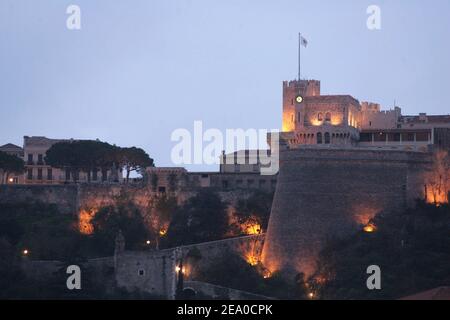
<point x="326" y="193"/>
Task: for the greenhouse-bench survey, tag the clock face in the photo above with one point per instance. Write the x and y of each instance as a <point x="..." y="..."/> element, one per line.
<point x="299" y="99"/>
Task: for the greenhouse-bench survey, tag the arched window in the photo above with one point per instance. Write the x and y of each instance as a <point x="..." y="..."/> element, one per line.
<point x="320" y="116"/>
<point x="328" y="116"/>
<point x="319" y="138"/>
<point x="327" y="138"/>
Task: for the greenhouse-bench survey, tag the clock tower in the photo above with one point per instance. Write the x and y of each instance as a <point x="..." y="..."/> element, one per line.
<point x="294" y="94"/>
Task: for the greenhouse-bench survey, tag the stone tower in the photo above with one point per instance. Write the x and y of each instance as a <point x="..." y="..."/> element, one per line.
<point x="324" y="193"/>
<point x="291" y="90"/>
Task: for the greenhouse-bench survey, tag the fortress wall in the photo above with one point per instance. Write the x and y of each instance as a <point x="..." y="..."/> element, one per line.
<point x="64" y="197"/>
<point x="151" y="272"/>
<point x="159" y="276"/>
<point x="218" y="292"/>
<point x="70" y="198"/>
<point x="100" y="271"/>
<point x="326" y="193"/>
<point x="96" y="196"/>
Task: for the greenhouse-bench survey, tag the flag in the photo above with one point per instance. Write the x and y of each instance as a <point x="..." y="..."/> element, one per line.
<point x="303" y="41"/>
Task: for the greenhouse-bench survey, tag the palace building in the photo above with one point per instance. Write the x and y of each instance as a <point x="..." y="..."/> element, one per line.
<point x="342" y="163"/>
<point x="310" y="118"/>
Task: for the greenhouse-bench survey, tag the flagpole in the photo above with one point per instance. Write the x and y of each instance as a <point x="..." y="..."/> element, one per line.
<point x="299" y="55"/>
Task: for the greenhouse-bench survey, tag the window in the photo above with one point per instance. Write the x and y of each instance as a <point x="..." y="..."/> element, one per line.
<point x="162" y="189"/>
<point x="67" y="174"/>
<point x="39" y="174"/>
<point x="250" y="182"/>
<point x="141" y="272"/>
<point x="328" y="116"/>
<point x="30" y="158"/>
<point x="49" y="174"/>
<point x="298" y="116"/>
<point x="319" y="138"/>
<point x="40" y="159"/>
<point x="95" y="174"/>
<point x="327" y="138"/>
<point x="204" y="176"/>
<point x="320" y="116"/>
<point x="370" y="123"/>
<point x="30" y="174"/>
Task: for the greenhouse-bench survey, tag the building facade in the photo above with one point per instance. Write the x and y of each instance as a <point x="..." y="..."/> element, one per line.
<point x="173" y="179"/>
<point x="310" y="118"/>
<point x="341" y="164"/>
<point x="37" y="171"/>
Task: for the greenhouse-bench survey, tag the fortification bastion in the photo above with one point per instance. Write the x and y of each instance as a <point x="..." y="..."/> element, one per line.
<point x="324" y="193"/>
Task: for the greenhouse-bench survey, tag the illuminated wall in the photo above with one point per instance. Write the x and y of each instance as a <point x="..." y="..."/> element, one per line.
<point x="324" y="193"/>
<point x="291" y="89"/>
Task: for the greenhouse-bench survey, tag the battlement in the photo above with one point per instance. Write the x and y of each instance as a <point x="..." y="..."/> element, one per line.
<point x="376" y="107"/>
<point x="370" y="106"/>
<point x="299" y="83"/>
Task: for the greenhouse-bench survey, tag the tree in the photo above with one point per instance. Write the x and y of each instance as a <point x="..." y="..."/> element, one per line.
<point x="84" y="155"/>
<point x="161" y="216"/>
<point x="124" y="216"/>
<point x="437" y="184"/>
<point x="202" y="218"/>
<point x="232" y="271"/>
<point x="134" y="159"/>
<point x="10" y="164"/>
<point x="255" y="210"/>
<point x="412" y="249"/>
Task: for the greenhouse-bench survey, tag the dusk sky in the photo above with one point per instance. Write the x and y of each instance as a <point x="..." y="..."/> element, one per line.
<point x="137" y="70"/>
